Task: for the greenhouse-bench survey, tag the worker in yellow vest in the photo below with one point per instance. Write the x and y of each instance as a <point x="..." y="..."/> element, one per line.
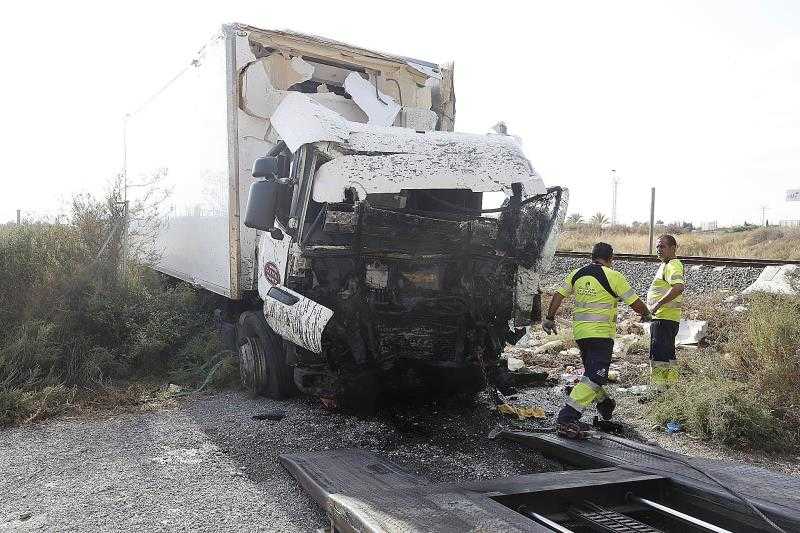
<point x="597" y="289"/>
<point x="664" y="298"/>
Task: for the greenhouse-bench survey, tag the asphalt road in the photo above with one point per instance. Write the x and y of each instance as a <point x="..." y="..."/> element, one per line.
<point x="207" y="465"/>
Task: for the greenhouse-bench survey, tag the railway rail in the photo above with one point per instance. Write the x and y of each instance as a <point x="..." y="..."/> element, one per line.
<point x="692" y="260"/>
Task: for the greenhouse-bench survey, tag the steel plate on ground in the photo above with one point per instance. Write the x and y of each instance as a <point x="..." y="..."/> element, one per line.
<point x="367" y="493"/>
<point x="776" y="494"/>
<point x="346" y="471"/>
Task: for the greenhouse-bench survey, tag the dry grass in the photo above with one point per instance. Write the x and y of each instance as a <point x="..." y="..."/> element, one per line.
<point x="75" y="326"/>
<point x="742" y="390"/>
<point x="762" y="243"/>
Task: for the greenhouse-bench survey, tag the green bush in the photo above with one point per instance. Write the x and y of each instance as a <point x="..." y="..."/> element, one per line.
<point x="766" y="348"/>
<point x="748" y="396"/>
<point x="722" y="410"/>
<point x="74" y="320"/>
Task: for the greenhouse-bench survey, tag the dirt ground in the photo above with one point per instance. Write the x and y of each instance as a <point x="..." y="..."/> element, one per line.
<point x="207" y="465"/>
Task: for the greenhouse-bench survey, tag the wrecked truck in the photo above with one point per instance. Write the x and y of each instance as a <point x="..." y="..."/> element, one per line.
<point x="363" y="247"/>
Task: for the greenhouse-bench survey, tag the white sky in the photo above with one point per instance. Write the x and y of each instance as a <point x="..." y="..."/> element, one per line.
<point x="697" y="98"/>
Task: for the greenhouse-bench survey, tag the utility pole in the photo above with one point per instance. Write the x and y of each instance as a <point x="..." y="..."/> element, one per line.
<point x="124" y="251"/>
<point x="19" y="216"/>
<point x="764" y="209"/>
<point x="652" y="215"/>
<point x="614" y="186"/>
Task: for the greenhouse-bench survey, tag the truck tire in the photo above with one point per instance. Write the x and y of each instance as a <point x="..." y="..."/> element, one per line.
<point x="262" y="358"/>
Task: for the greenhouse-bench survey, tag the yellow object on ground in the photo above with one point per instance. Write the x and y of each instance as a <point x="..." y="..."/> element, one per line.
<point x="521" y="412"/>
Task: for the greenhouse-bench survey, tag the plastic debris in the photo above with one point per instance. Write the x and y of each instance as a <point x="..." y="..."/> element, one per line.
<point x="673" y="427"/>
<point x="514" y="363"/>
<point x="549" y="347"/>
<point x="776" y="280"/>
<point x="521" y="412"/>
<point x="275" y="414"/>
<point x="689" y="331"/>
<point x="639" y="389"/>
<point x="613" y="375"/>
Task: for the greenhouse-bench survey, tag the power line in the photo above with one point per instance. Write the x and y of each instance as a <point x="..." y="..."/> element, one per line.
<point x="614" y="186"/>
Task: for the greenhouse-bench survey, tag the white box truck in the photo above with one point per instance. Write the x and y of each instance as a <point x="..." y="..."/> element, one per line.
<point x="319" y="187"/>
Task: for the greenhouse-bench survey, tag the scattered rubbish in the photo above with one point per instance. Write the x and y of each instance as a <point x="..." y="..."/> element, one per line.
<point x="731" y="299"/>
<point x="613" y="375"/>
<point x="719" y="269"/>
<point x="691" y="331"/>
<point x="521" y="412"/>
<point x="607" y="426"/>
<point x="638" y="390"/>
<point x="571" y="352"/>
<point x="740" y="309"/>
<point x="514" y="363"/>
<point x="275" y="414"/>
<point x="549" y="347"/>
<point x="525" y="340"/>
<point x="673" y="427"/>
<point x="776" y="280"/>
<point x="25" y="516"/>
<point x="172" y="389"/>
<point x="571" y="376"/>
<point x="525" y="376"/>
<point x="623" y="344"/>
<point x="328" y="403"/>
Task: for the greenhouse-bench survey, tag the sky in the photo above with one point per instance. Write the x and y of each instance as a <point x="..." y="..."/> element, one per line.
<point x="698" y="99"/>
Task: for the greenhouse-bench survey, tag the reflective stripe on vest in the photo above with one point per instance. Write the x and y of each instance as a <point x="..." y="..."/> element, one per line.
<point x="591" y="317"/>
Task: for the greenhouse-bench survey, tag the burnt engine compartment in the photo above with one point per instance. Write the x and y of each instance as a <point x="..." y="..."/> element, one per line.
<point x="422" y="289"/>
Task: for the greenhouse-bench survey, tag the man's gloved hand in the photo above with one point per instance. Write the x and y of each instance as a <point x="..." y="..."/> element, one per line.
<point x="549" y="326"/>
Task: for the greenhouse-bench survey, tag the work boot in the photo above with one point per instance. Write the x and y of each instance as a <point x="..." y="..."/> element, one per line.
<point x="606" y="408"/>
<point x="576" y="430"/>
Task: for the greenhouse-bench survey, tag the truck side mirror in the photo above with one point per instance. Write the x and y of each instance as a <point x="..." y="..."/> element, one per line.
<point x="262" y="203"/>
<point x="272" y="166"/>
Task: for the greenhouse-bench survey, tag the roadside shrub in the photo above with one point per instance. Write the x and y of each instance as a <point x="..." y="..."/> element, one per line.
<point x="74" y="321"/>
<point x="748" y="396"/>
<point x="766" y="349"/>
<point x="722" y="410"/>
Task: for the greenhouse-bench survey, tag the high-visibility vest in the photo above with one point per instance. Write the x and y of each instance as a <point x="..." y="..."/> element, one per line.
<point x="595" y="313"/>
<point x="668" y="274"/>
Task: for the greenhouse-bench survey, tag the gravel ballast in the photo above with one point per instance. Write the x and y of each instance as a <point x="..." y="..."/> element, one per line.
<point x="699" y="278"/>
<point x="207" y="465"/>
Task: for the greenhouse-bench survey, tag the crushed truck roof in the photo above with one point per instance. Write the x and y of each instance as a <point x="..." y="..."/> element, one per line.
<point x="385" y="159"/>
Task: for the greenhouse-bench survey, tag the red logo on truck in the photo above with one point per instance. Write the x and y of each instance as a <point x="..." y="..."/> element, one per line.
<point x="272" y="274"/>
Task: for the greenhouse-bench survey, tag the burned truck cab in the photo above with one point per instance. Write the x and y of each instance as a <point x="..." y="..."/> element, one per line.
<point x="383" y="266"/>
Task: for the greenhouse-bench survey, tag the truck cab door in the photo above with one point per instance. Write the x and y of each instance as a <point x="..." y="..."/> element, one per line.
<point x="291" y="314"/>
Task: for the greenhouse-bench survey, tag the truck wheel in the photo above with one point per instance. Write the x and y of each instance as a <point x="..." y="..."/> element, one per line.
<point x="262" y="358"/>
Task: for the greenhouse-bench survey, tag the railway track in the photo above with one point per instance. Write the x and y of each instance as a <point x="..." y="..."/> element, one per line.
<point x="692" y="260"/>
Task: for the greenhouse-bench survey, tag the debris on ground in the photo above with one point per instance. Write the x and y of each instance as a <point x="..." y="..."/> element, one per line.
<point x="776" y="280"/>
<point x="691" y="331"/>
<point x="673" y="427"/>
<point x="275" y="414"/>
<point x="549" y="347"/>
<point x="520" y="411"/>
<point x="514" y="364"/>
<point x="622" y="344"/>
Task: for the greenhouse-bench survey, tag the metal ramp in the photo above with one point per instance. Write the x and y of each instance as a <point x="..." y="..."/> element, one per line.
<point x="599" y="519"/>
<point x="776" y="495"/>
<point x="364" y="492"/>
